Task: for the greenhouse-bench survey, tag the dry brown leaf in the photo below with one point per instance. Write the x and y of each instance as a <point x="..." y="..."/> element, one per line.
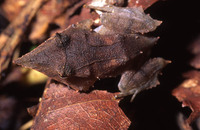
<point x="11" y="36"/>
<point x="46" y="15"/>
<point x="11" y="8"/>
<point x="85" y="14"/>
<point x="189" y="94"/>
<point x="64" y="18"/>
<point x="63" y="108"/>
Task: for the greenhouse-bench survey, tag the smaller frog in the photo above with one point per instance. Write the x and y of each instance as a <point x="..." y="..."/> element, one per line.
<point x="131" y="82"/>
<point x="124" y="20"/>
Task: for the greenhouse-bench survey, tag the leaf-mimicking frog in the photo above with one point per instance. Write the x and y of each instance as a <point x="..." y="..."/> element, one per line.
<point x="79" y="56"/>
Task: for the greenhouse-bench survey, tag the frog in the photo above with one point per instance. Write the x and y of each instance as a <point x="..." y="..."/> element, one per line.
<point x="80" y="55"/>
<point x="124" y="20"/>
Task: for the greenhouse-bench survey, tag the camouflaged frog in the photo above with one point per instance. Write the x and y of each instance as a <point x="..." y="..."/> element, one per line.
<point x="79" y="56"/>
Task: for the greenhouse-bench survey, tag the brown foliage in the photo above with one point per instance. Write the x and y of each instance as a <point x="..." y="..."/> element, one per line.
<point x="46" y="16"/>
<point x="63" y="108"/>
<point x="189" y="93"/>
<point x="11" y="8"/>
<point x="12" y="35"/>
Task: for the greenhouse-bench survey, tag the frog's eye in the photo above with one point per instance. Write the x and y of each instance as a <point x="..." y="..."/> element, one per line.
<point x="68" y="71"/>
<point x="65" y="71"/>
<point x="62" y="40"/>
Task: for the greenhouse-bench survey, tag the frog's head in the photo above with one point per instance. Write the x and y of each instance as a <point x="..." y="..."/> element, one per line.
<point x="49" y="57"/>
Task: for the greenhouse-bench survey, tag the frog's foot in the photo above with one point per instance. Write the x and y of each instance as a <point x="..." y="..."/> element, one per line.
<point x="132" y="92"/>
<point x="135" y="90"/>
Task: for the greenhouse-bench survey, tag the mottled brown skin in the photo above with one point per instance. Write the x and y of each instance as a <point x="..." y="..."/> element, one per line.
<point x="78" y="57"/>
<point x="118" y="20"/>
<point x="131" y="82"/>
<point x="126" y="20"/>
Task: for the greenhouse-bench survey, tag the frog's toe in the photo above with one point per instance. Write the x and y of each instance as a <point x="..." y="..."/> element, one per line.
<point x="133" y="92"/>
<point x="119" y="96"/>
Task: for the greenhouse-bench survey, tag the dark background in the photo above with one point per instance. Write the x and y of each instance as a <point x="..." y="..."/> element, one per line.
<point x="154" y="109"/>
<point x="157" y="109"/>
